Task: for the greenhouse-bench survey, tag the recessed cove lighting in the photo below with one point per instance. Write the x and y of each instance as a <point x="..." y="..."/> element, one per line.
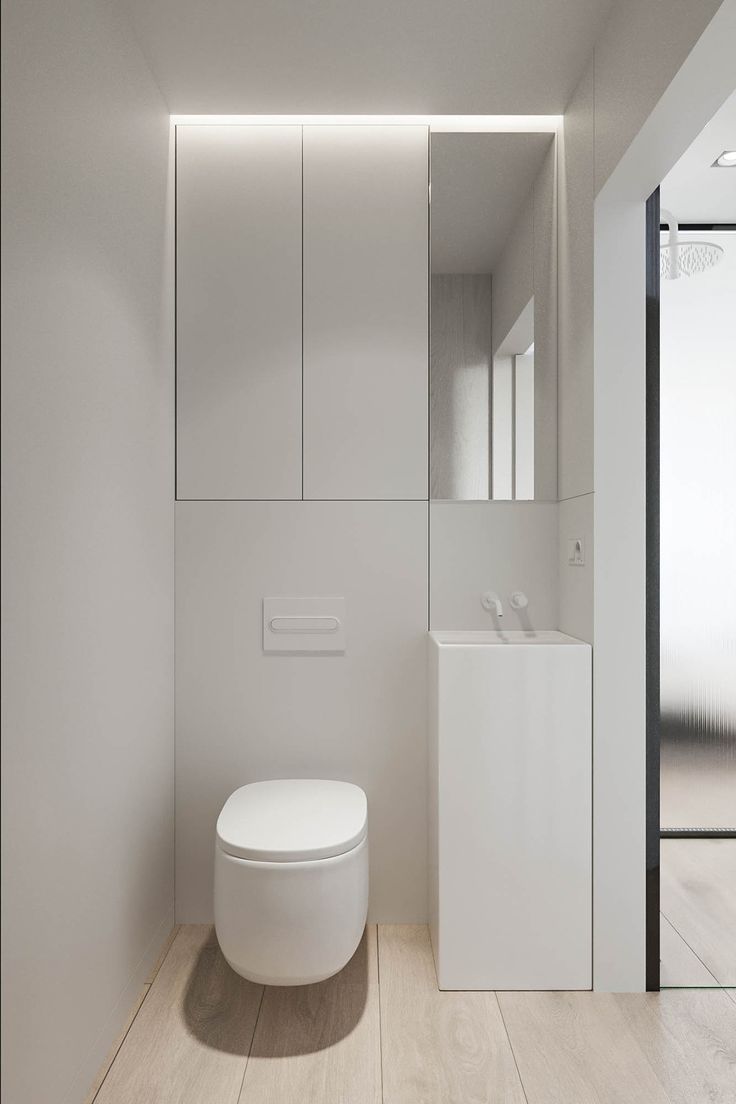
<point x="445" y="124"/>
<point x="727" y="160"/>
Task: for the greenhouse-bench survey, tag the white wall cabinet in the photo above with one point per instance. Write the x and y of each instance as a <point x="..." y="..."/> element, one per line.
<point x="365" y="311"/>
<point x="239" y="312"/>
<point x="249" y="342"/>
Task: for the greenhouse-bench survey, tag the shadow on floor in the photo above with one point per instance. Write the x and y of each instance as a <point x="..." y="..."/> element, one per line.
<point x="293" y="1020"/>
<point x="218" y="1003"/>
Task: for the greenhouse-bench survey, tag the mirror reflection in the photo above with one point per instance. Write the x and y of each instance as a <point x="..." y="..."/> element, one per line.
<point x="493" y="333"/>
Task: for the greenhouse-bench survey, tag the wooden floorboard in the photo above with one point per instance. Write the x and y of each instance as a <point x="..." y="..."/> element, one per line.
<point x="112" y="1053"/>
<point x="679" y="965"/>
<point x="438" y="1048"/>
<point x="162" y="955"/>
<point x="698" y="897"/>
<point x="381" y="1031"/>
<point x="191" y="1038"/>
<point x="103" y="1072"/>
<point x="578" y="1048"/>
<point x="320" y="1042"/>
<point x="689" y="1039"/>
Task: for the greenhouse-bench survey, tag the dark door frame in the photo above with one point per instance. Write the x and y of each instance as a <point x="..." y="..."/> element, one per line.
<point x="652" y="593"/>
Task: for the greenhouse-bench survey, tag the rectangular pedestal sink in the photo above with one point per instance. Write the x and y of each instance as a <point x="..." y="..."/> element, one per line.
<point x="510" y="810"/>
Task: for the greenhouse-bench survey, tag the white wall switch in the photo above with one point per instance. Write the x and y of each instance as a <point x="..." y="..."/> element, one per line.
<point x="576" y="551"/>
<point x="295" y="626"/>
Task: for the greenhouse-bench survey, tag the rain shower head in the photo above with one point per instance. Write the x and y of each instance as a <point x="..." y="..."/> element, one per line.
<point x="690" y="258"/>
<point x="693" y="257"/>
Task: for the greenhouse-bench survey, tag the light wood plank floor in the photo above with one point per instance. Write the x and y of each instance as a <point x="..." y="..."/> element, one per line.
<point x="679" y="966"/>
<point x="192" y="1035"/>
<point x="312" y="1042"/>
<point x="698" y="902"/>
<point x="382" y="1033"/>
<point x="449" y="1047"/>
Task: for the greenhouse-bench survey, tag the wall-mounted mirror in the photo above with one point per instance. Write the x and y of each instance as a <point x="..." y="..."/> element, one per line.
<point x="493" y="334"/>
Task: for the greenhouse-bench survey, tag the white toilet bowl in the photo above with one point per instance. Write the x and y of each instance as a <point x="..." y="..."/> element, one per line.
<point x="291" y="879"/>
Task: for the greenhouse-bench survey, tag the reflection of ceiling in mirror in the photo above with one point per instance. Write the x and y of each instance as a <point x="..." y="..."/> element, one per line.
<point x="479" y="184"/>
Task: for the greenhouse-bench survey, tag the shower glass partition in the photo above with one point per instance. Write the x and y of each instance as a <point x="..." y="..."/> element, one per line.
<point x="698" y="535"/>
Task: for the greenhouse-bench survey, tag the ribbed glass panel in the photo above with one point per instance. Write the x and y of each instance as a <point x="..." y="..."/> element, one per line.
<point x="698" y="544"/>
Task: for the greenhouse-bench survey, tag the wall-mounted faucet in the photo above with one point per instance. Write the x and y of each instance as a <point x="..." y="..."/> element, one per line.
<point x="492" y="603"/>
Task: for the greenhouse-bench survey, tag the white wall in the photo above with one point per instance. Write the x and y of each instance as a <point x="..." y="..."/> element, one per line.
<point x="636" y="56"/>
<point x="87" y="542"/>
<point x="696" y="90"/>
<point x="575" y="582"/>
<point x="575" y="372"/>
<point x="501" y="546"/>
<point x="575" y="379"/>
<point x="637" y="53"/>
<point x="243" y="715"/>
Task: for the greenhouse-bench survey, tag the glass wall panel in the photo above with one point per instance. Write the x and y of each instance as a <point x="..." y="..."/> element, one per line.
<point x="698" y="542"/>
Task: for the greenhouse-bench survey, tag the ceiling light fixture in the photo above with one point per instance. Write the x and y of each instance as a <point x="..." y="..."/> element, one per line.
<point x="726" y="160"/>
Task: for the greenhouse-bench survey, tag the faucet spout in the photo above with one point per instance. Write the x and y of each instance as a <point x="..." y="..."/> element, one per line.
<point x="492" y="603"/>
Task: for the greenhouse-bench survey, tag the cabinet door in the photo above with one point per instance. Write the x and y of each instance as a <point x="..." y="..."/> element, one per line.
<point x="365" y="311"/>
<point x="239" y="311"/>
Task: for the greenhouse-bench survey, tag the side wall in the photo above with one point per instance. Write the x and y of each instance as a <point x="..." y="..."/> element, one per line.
<point x="575" y="371"/>
<point x="638" y="53"/>
<point x="87" y="542"/>
<point x="640" y="114"/>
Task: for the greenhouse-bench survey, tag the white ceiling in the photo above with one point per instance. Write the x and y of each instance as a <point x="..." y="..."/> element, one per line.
<point x="692" y="190"/>
<point x="367" y="56"/>
<point x="479" y="184"/>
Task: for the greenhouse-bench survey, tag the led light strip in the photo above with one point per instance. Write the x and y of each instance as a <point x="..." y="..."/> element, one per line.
<point x="445" y="124"/>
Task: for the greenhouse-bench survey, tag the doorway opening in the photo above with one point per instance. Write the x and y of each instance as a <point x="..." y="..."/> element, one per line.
<point x="691" y="549"/>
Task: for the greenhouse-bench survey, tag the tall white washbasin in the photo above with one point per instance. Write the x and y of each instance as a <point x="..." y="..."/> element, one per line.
<point x="510" y="810"/>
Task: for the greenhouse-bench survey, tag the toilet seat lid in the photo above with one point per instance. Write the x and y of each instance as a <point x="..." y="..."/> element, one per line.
<point x="293" y="820"/>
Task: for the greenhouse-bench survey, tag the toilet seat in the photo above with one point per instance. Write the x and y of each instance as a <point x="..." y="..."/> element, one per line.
<point x="293" y="820"/>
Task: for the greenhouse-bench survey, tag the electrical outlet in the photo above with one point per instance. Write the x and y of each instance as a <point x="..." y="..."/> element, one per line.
<point x="576" y="552"/>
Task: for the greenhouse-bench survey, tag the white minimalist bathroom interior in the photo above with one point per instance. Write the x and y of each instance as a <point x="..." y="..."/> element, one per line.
<point x="368" y="623"/>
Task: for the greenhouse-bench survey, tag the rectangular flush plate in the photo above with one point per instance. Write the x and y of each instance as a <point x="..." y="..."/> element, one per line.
<point x="297" y="626"/>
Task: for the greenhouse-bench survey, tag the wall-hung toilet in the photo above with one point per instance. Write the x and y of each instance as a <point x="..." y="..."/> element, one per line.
<point x="291" y="879"/>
